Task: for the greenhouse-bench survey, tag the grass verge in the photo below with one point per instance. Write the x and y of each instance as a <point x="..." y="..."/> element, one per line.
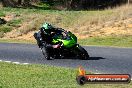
<point x="119" y="41"/>
<point x="2" y="14"/>
<point x="43" y="76"/>
<point x="16" y="41"/>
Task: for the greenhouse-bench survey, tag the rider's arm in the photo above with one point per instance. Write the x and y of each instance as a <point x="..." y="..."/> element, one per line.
<point x="41" y="33"/>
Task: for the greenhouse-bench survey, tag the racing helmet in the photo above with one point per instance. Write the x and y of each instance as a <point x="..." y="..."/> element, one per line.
<point x="47" y="26"/>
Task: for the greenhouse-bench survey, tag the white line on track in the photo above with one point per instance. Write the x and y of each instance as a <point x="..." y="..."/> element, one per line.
<point x="14" y="62"/>
<point x="25" y="63"/>
<point x="8" y="61"/>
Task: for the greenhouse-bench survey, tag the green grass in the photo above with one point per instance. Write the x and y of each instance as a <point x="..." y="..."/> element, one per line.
<point x="44" y="6"/>
<point x="2" y="14"/>
<point x="14" y="23"/>
<point x="43" y="76"/>
<point x="119" y="41"/>
<point x="5" y="28"/>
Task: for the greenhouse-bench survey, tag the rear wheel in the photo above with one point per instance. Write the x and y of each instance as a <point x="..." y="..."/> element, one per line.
<point x="45" y="53"/>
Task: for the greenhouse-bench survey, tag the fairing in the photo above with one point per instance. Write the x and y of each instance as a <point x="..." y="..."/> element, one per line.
<point x="69" y="41"/>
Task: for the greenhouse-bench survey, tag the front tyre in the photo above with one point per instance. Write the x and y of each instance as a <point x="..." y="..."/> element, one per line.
<point x="83" y="53"/>
<point x="45" y="53"/>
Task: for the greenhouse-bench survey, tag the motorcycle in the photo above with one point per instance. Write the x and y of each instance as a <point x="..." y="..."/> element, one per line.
<point x="68" y="47"/>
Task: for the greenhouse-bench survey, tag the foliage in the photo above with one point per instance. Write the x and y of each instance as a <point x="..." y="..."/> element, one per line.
<point x="69" y="4"/>
<point x="5" y="28"/>
<point x="2" y="14"/>
<point x="14" y="23"/>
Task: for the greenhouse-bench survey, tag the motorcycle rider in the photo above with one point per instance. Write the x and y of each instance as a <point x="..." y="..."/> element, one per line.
<point x="44" y="36"/>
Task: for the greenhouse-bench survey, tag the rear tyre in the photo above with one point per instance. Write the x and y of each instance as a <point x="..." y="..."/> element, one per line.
<point x="56" y="56"/>
<point x="83" y="53"/>
<point x="45" y="53"/>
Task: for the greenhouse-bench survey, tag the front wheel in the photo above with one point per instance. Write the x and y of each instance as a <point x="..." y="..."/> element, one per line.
<point x="45" y="53"/>
<point x="83" y="53"/>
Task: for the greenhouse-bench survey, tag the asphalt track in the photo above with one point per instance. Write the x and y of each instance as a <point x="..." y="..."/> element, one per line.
<point x="102" y="59"/>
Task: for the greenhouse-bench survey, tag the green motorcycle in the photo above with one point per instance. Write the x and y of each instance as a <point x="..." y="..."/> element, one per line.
<point x="68" y="47"/>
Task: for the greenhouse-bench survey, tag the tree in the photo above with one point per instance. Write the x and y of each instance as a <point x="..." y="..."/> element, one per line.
<point x="26" y="3"/>
<point x="69" y="4"/>
<point x="19" y="2"/>
<point x="8" y="3"/>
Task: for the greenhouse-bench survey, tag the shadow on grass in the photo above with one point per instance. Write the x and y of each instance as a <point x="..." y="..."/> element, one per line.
<point x="39" y="8"/>
<point x="33" y="7"/>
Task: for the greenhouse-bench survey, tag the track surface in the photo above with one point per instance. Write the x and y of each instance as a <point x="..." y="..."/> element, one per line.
<point x="102" y="59"/>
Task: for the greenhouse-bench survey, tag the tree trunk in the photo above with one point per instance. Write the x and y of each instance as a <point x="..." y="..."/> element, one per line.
<point x="8" y="3"/>
<point x="19" y="2"/>
<point x="128" y="2"/>
<point x="26" y="3"/>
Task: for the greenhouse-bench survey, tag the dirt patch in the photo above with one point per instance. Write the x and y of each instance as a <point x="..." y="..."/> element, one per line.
<point x="23" y="29"/>
<point x="9" y="17"/>
<point x="122" y="27"/>
<point x="119" y="28"/>
<point x="28" y="36"/>
<point x="129" y="25"/>
<point x="119" y="23"/>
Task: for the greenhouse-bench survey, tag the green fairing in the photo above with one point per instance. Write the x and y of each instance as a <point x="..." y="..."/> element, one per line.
<point x="67" y="43"/>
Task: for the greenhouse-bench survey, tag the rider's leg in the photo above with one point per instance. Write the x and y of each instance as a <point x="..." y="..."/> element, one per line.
<point x="37" y="37"/>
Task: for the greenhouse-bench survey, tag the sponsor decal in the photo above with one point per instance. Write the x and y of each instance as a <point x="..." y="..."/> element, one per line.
<point x="83" y="78"/>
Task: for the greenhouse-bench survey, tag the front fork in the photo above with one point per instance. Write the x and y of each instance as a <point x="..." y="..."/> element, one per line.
<point x="76" y="50"/>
